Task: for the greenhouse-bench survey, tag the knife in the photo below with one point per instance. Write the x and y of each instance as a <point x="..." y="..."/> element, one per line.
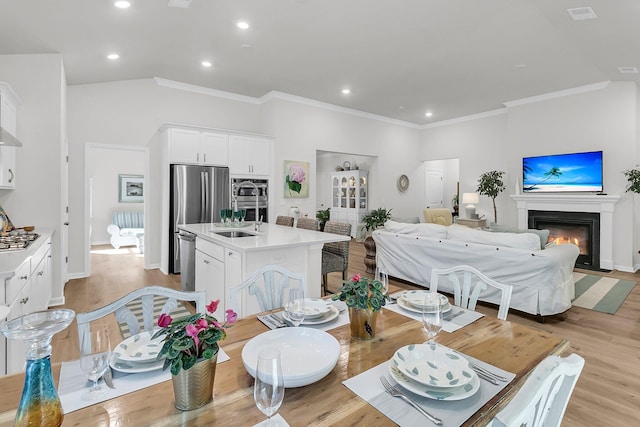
<point x="108" y="378"/>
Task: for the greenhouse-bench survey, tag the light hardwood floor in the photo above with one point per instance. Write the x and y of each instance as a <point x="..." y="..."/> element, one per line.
<point x="607" y="394"/>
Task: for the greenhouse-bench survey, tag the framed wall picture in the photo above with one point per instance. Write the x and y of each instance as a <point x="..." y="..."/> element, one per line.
<point x="130" y="188"/>
<point x="296" y="179"/>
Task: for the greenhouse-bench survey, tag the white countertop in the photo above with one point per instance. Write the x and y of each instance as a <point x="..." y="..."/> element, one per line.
<point x="269" y="236"/>
<point x="11" y="260"/>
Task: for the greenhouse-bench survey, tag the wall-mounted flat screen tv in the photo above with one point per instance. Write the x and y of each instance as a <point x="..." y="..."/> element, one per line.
<point x="575" y="172"/>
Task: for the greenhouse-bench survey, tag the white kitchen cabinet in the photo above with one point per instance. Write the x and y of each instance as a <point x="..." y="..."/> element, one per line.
<point x="210" y="278"/>
<point x="249" y="155"/>
<point x="18" y="289"/>
<point x="195" y="147"/>
<point x="349" y="198"/>
<point x="41" y="277"/>
<point x="8" y="117"/>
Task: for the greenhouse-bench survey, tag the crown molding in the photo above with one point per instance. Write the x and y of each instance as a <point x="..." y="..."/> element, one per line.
<point x="205" y="91"/>
<point x="465" y="118"/>
<point x="558" y="94"/>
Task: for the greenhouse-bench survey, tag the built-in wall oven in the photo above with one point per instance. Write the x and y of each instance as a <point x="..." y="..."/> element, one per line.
<point x="246" y="197"/>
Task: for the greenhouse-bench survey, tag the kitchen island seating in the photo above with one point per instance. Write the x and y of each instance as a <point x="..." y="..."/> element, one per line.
<point x="543" y="398"/>
<point x="148" y="321"/>
<point x="474" y="282"/>
<point x="308" y="224"/>
<point x="287" y="221"/>
<point x="335" y="255"/>
<point x="267" y="285"/>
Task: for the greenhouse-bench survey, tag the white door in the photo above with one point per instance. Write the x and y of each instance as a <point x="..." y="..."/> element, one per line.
<point x="64" y="195"/>
<point x="433" y="189"/>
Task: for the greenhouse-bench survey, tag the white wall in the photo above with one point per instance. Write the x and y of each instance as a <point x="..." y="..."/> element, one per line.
<point x="130" y="113"/>
<point x="604" y="119"/>
<point x="105" y="165"/>
<point x="37" y="80"/>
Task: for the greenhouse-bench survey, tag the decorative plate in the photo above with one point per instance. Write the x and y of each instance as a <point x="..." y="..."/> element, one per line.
<point x="433" y="365"/>
<point x="327" y="317"/>
<point x="346" y="165"/>
<point x="139" y="348"/>
<point x="454" y="393"/>
<point x="316" y="307"/>
<point x="403" y="183"/>
<point x="134" y="367"/>
<point x="404" y="303"/>
<point x="416" y="299"/>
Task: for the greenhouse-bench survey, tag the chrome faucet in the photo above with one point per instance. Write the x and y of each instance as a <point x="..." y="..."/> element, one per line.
<point x="258" y="222"/>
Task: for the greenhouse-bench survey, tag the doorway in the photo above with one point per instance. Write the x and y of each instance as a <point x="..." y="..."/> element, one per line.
<point x="105" y="166"/>
<point x="441" y="183"/>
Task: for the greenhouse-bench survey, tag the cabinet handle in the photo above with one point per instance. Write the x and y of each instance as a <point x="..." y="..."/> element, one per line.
<point x="40" y="273"/>
<point x="12" y="176"/>
<point x="206" y="261"/>
<point x="197" y="157"/>
<point x="204" y="157"/>
<point x="25" y="277"/>
<point x="24" y="300"/>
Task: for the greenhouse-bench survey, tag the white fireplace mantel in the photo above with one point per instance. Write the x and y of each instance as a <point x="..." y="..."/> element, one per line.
<point x="603" y="204"/>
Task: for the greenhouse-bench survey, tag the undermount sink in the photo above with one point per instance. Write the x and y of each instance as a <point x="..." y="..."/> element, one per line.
<point x="233" y="234"/>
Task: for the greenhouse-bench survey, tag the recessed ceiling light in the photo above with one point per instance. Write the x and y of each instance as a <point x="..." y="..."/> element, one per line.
<point x="206" y="64"/>
<point x="243" y="25"/>
<point x="113" y="56"/>
<point x="428" y="114"/>
<point x="121" y="4"/>
<point x="346" y="91"/>
<point x="628" y="70"/>
<point x="582" y="13"/>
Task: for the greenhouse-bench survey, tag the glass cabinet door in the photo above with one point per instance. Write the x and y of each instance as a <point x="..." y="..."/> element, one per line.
<point x="362" y="192"/>
<point x="343" y="192"/>
<point x="335" y="192"/>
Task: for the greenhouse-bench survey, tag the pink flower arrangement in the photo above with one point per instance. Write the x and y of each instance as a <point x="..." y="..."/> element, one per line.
<point x="192" y="338"/>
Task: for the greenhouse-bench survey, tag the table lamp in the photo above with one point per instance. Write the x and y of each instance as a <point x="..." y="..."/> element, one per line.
<point x="470" y="199"/>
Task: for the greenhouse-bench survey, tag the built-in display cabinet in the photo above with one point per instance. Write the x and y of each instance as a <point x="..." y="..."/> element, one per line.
<point x="349" y="197"/>
<point x="8" y="120"/>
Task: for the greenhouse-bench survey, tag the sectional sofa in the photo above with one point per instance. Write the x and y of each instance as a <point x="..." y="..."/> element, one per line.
<point x="541" y="274"/>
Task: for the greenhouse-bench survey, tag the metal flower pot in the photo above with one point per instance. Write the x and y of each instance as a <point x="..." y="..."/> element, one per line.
<point x="363" y="323"/>
<point x="193" y="388"/>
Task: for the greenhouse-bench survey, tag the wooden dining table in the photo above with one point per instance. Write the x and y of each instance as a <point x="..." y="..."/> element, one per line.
<point x="509" y="346"/>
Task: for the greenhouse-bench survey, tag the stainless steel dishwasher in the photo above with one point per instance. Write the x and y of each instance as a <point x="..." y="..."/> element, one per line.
<point x="187" y="260"/>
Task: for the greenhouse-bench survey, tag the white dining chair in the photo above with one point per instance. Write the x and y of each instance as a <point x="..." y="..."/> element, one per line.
<point x="267" y="285"/>
<point x="474" y="282"/>
<point x="543" y="398"/>
<point x="148" y="318"/>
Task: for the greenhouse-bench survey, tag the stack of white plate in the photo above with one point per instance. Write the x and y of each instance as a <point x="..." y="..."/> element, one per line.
<point x="307" y="355"/>
<point x="138" y="353"/>
<point x="434" y="371"/>
<point x="414" y="301"/>
<point x="317" y="311"/>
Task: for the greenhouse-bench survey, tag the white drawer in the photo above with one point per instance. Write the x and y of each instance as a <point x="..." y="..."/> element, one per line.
<point x="39" y="255"/>
<point x="211" y="249"/>
<point x="15" y="285"/>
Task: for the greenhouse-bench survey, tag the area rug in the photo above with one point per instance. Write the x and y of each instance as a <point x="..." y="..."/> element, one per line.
<point x="600" y="293"/>
<point x="158" y="303"/>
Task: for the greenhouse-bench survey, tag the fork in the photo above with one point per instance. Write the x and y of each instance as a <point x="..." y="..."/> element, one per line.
<point x="396" y="393"/>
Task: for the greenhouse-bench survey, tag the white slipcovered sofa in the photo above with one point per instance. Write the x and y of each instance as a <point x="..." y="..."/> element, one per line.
<point x="542" y="279"/>
<point x="127" y="229"/>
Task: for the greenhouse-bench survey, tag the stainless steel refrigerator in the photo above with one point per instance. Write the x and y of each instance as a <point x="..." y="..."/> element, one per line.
<point x="197" y="195"/>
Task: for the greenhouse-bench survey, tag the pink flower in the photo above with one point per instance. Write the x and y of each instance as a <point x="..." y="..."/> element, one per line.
<point x="355" y="278"/>
<point x="297" y="174"/>
<point x="193" y="331"/>
<point x="232" y="316"/>
<point x="213" y="306"/>
<point x="202" y="324"/>
<point x="164" y="320"/>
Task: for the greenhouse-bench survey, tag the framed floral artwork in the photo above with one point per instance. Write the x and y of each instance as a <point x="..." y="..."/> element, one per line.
<point x="296" y="179"/>
<point x="131" y="188"/>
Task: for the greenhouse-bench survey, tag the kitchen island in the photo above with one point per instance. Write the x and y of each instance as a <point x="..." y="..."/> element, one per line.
<point x="223" y="262"/>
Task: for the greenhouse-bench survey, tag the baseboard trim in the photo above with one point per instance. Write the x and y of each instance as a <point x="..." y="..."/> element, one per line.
<point x="56" y="301"/>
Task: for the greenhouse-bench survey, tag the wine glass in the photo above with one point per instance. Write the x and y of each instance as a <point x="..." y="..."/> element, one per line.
<point x="383" y="278"/>
<point x="432" y="316"/>
<point x="223" y="215"/>
<point x="243" y="215"/>
<point x="95" y="352"/>
<point x="268" y="389"/>
<point x="295" y="306"/>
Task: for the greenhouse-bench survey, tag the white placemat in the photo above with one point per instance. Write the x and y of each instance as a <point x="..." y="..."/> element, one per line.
<point x="367" y="385"/>
<point x="73" y="382"/>
<point x="342" y="319"/>
<point x="276" y="420"/>
<point x="461" y="316"/>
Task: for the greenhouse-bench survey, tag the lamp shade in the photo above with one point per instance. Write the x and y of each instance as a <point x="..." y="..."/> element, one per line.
<point x="470" y="198"/>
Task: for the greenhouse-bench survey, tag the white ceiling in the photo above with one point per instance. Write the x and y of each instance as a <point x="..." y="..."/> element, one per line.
<point x="399" y="57"/>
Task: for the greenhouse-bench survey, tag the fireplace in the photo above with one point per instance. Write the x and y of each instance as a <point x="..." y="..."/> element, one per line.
<point x="580" y="228"/>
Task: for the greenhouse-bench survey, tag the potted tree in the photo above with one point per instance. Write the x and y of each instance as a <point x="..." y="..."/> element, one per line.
<point x="372" y="220"/>
<point x="322" y="216"/>
<point x="633" y="180"/>
<point x="491" y="184"/>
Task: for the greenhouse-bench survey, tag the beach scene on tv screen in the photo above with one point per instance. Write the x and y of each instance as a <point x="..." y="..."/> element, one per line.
<point x="563" y="172"/>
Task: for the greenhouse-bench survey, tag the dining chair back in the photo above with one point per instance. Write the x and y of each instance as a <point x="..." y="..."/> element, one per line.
<point x="474" y="282"/>
<point x="147" y="321"/>
<point x="268" y="286"/>
<point x="308" y="224"/>
<point x="285" y="220"/>
<point x="543" y="398"/>
<point x="335" y="255"/>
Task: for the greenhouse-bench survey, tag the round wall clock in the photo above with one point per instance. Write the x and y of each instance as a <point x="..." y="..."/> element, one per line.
<point x="403" y="183"/>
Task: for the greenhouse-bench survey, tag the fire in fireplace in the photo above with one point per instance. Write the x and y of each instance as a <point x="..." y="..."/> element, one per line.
<point x="580" y="228"/>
